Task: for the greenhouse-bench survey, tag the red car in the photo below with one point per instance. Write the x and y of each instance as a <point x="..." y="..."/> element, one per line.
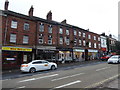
<point x="105" y="57"/>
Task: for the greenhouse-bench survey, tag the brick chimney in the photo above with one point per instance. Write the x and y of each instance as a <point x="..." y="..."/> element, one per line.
<point x="49" y="16"/>
<point x="64" y="21"/>
<point x="31" y="11"/>
<point x="6" y="5"/>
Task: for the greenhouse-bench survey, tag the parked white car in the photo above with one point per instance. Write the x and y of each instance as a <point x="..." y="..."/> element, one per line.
<point x="37" y="65"/>
<point x="114" y="59"/>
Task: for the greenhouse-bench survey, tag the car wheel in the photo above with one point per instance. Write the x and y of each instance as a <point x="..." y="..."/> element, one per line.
<point x="32" y="70"/>
<point x="53" y="67"/>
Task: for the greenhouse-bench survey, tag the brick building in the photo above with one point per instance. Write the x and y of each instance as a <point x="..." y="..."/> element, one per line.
<point x="26" y="37"/>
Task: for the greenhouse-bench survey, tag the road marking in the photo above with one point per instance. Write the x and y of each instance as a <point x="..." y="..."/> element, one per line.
<point x="68" y="84"/>
<point x="101" y="82"/>
<point x="102" y="68"/>
<point x="22" y="87"/>
<point x="67" y="77"/>
<point x="37" y="78"/>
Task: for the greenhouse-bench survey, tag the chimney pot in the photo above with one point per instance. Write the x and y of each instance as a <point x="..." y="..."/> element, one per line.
<point x="31" y="11"/>
<point x="49" y="16"/>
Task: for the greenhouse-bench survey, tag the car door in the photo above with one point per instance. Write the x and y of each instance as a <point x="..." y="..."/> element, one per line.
<point x="38" y="65"/>
<point x="46" y="65"/>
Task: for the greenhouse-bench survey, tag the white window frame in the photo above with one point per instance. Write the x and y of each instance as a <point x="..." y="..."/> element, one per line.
<point x="41" y="38"/>
<point x="95" y="45"/>
<point x="80" y="42"/>
<point x="67" y="41"/>
<point x="49" y="29"/>
<point x="98" y="38"/>
<point x="94" y="37"/>
<point x="60" y="30"/>
<point x="49" y="40"/>
<point x="80" y="33"/>
<point x="61" y="40"/>
<point x="90" y="44"/>
<point x="84" y="43"/>
<point x="83" y="34"/>
<point x="67" y="32"/>
<point x="26" y="26"/>
<point x="25" y="39"/>
<point x="75" y="32"/>
<point x="89" y="36"/>
<point x="41" y="27"/>
<point x="13" y="24"/>
<point x="13" y="38"/>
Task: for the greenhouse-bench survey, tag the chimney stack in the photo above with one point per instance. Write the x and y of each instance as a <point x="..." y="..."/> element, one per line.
<point x="6" y="5"/>
<point x="31" y="11"/>
<point x="49" y="16"/>
<point x="64" y="21"/>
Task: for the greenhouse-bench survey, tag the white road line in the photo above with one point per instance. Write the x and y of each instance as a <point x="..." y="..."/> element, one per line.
<point x="22" y="87"/>
<point x="68" y="84"/>
<point x="102" y="68"/>
<point x="37" y="78"/>
<point x="67" y="77"/>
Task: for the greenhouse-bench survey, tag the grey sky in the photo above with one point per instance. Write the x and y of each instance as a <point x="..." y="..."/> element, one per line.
<point x="97" y="15"/>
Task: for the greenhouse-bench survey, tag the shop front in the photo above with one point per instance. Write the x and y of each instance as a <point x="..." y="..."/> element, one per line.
<point x="92" y="54"/>
<point x="64" y="54"/>
<point x="13" y="57"/>
<point x="78" y="53"/>
<point x="46" y="53"/>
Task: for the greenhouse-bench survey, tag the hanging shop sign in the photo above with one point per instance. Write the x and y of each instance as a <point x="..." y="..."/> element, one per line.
<point x="16" y="49"/>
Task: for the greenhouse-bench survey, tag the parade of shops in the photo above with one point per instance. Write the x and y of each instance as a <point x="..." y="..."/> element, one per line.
<point x="26" y="38"/>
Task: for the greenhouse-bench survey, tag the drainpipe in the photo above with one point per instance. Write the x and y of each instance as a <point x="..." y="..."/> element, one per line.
<point x="6" y="29"/>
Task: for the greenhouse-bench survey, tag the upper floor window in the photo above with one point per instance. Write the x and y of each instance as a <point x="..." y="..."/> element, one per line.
<point x="49" y="39"/>
<point x="13" y="38"/>
<point x="61" y="40"/>
<point x="79" y="33"/>
<point x="41" y="27"/>
<point x="89" y="36"/>
<point x="60" y="30"/>
<point x="95" y="46"/>
<point x="83" y="34"/>
<point x="94" y="37"/>
<point x="80" y="42"/>
<point x="90" y="44"/>
<point x="84" y="43"/>
<point x="41" y="38"/>
<point x="75" y="32"/>
<point x="14" y="24"/>
<point x="25" y="39"/>
<point x="75" y="41"/>
<point x="99" y="46"/>
<point x="67" y="40"/>
<point x="67" y="32"/>
<point x="26" y="26"/>
<point x="98" y="38"/>
<point x="49" y="29"/>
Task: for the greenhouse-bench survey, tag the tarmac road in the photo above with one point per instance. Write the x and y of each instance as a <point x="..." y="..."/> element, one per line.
<point x="85" y="76"/>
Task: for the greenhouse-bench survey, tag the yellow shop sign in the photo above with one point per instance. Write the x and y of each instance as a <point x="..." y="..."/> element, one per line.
<point x="16" y="49"/>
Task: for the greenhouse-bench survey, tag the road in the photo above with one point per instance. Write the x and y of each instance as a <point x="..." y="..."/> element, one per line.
<point x="88" y="76"/>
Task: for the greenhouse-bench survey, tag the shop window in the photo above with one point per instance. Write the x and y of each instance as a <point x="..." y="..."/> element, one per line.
<point x="26" y="26"/>
<point x="41" y="27"/>
<point x="60" y="30"/>
<point x="13" y="24"/>
<point x="41" y="38"/>
<point x="49" y="29"/>
<point x="13" y="38"/>
<point x="49" y="39"/>
<point x="25" y="39"/>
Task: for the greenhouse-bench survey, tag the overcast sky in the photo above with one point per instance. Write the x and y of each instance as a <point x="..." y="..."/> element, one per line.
<point x="97" y="15"/>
